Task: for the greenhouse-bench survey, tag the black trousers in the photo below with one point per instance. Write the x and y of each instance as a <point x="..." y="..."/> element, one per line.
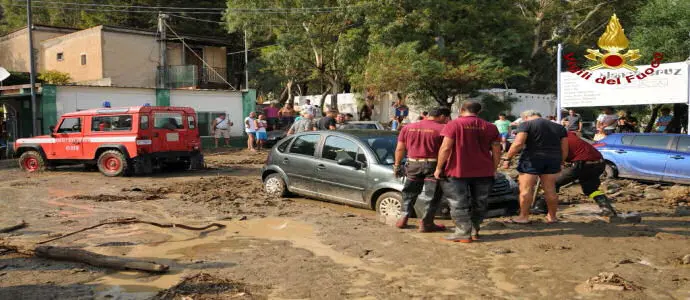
<point x="468" y="200"/>
<point x="587" y="174"/>
<point x="420" y="177"/>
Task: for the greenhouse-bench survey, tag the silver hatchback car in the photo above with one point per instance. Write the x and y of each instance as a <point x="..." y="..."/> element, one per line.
<point x="354" y="168"/>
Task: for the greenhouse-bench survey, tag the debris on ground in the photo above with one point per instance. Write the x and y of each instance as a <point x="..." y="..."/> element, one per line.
<point x="677" y="195"/>
<point x="609" y="281"/>
<point x="111" y="198"/>
<point x="205" y="286"/>
<point x="630" y="217"/>
<point x="501" y="251"/>
<point x="685" y="260"/>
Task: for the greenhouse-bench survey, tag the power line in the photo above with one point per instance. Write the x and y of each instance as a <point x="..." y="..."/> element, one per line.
<point x="196" y="10"/>
<point x="223" y="23"/>
<point x="117" y="10"/>
<point x="121" y="6"/>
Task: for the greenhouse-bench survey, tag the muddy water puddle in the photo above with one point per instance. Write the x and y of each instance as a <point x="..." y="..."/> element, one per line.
<point x="188" y="252"/>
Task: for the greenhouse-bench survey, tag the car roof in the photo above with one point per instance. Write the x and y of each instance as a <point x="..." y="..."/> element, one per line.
<point x="362" y="122"/>
<point x="356" y="133"/>
<point x="131" y="109"/>
<point x="646" y="133"/>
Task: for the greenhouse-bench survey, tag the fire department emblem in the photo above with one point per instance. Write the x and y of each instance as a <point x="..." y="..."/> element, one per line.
<point x="613" y="41"/>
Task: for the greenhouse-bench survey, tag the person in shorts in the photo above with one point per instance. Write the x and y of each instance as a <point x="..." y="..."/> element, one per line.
<point x="545" y="147"/>
<point x="503" y="126"/>
<point x="221" y="128"/>
<point x="250" y="129"/>
<point x="261" y="135"/>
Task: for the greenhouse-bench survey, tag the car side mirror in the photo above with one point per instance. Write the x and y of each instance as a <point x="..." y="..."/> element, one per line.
<point x="347" y="161"/>
<point x="52" y="130"/>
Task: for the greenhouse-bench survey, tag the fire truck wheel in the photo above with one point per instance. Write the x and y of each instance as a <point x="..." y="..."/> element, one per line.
<point x="31" y="161"/>
<point x="112" y="163"/>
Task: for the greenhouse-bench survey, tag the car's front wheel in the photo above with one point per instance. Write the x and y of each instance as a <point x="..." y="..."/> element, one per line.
<point x="274" y="185"/>
<point x="389" y="205"/>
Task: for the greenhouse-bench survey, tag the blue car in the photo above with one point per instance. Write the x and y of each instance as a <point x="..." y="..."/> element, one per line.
<point x="647" y="156"/>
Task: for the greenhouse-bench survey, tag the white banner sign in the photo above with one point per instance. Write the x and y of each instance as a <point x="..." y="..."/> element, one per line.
<point x="665" y="83"/>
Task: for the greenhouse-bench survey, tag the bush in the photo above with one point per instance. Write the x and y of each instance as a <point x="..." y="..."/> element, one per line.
<point x="54" y="77"/>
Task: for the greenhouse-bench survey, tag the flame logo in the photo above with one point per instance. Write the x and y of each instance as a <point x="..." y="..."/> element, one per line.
<point x="613" y="41"/>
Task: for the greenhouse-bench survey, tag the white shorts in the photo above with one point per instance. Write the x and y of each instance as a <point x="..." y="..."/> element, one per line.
<point x="222" y="132"/>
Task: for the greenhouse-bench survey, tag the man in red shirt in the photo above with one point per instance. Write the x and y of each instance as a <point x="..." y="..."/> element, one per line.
<point x="421" y="141"/>
<point x="587" y="165"/>
<point x="469" y="156"/>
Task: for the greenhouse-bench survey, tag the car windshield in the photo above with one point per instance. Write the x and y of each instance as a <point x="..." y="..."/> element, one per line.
<point x="383" y="146"/>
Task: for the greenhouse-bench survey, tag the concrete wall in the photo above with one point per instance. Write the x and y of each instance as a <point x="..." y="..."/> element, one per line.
<point x="14" y="49"/>
<point x="73" y="46"/>
<point x="130" y="60"/>
<point x="75" y="98"/>
<point x="229" y="102"/>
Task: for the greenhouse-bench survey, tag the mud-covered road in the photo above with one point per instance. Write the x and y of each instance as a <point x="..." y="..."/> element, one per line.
<point x="294" y="248"/>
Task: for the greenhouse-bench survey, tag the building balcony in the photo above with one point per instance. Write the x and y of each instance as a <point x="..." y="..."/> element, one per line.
<point x="193" y="77"/>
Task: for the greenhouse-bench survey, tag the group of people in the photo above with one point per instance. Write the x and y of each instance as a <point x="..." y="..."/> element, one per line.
<point x="458" y="160"/>
<point x="255" y="127"/>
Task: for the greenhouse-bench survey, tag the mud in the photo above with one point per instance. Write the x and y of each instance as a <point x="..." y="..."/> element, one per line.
<point x="298" y="248"/>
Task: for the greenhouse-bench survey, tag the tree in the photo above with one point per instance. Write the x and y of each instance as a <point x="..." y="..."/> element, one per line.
<point x="440" y="50"/>
<point x="308" y="33"/>
<point x="663" y="26"/>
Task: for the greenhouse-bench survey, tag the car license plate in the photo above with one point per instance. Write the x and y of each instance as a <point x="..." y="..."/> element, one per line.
<point x="172" y="137"/>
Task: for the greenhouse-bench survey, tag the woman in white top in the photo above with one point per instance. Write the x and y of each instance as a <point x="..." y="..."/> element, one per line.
<point x="250" y="129"/>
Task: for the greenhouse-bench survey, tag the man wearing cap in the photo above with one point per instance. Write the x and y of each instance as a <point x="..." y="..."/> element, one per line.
<point x="421" y="142"/>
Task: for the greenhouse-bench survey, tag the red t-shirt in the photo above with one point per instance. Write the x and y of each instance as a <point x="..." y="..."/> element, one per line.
<point x="471" y="156"/>
<point x="422" y="139"/>
<point x="579" y="150"/>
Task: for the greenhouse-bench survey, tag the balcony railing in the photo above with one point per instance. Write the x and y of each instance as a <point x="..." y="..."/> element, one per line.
<point x="192" y="76"/>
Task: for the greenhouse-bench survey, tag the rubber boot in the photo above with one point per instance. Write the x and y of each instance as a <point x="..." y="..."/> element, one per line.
<point x="605" y="205"/>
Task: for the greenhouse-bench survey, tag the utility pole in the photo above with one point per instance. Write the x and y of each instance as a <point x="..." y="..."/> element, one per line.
<point x="32" y="60"/>
<point x="559" y="95"/>
<point x="246" y="62"/>
<point x="162" y="62"/>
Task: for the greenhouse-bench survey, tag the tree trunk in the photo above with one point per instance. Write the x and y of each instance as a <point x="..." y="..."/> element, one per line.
<point x="334" y="90"/>
<point x="679" y="112"/>
<point x="323" y="97"/>
<point x="652" y="119"/>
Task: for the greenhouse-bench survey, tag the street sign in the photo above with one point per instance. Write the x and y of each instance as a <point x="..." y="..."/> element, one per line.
<point x="666" y="83"/>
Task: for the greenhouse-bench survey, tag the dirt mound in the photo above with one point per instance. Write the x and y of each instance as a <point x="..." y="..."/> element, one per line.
<point x="230" y="194"/>
<point x="205" y="286"/>
<point x="677" y="195"/>
<point x="231" y="158"/>
<point x="111" y="198"/>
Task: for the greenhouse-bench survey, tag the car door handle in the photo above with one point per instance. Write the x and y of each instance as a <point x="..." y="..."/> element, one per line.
<point x="677" y="157"/>
<point x="621" y="151"/>
<point x="321" y="167"/>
